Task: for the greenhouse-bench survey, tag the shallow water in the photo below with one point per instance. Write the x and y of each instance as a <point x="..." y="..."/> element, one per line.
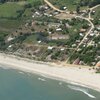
<point x="17" y="85"/>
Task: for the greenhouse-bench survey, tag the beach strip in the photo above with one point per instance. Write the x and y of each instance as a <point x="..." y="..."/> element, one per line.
<point x="82" y="76"/>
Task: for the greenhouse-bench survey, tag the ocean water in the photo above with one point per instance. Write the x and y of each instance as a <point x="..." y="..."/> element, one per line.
<point x="17" y="85"/>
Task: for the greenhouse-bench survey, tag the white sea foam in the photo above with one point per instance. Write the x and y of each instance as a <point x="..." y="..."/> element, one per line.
<point x="85" y="91"/>
<point x="4" y="67"/>
<point x="60" y="83"/>
<point x="45" y="76"/>
<point x="21" y="72"/>
<point x="74" y="83"/>
<point x="41" y="79"/>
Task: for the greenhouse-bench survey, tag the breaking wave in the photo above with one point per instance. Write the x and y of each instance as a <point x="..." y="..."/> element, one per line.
<point x="85" y="91"/>
<point x="41" y="79"/>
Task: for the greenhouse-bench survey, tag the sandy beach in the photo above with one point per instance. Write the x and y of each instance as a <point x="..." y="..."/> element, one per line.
<point x="82" y="76"/>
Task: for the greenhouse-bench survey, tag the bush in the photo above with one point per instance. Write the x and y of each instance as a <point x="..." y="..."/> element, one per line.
<point x="27" y="6"/>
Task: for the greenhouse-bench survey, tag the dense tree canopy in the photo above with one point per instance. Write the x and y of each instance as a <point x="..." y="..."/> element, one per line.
<point x="89" y="3"/>
<point x="3" y="1"/>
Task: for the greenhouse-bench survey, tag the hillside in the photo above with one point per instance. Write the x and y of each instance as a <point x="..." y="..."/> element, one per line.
<point x="72" y="4"/>
<point x="54" y="30"/>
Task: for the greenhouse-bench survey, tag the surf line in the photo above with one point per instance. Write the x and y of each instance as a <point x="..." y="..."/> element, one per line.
<point x="82" y="90"/>
<point x="41" y="79"/>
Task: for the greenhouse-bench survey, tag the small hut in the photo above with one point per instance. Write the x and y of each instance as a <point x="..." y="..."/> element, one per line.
<point x="98" y="66"/>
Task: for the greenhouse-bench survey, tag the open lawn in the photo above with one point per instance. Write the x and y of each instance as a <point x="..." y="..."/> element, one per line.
<point x="10" y="25"/>
<point x="31" y="39"/>
<point x="70" y="4"/>
<point x="14" y="14"/>
<point x="10" y="10"/>
<point x="97" y="13"/>
<point x="96" y="16"/>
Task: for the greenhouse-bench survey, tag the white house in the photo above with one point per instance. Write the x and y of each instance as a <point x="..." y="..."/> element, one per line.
<point x="50" y="47"/>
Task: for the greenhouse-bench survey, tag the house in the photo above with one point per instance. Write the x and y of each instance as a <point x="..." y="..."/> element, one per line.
<point x="10" y="38"/>
<point x="39" y="41"/>
<point x="93" y="11"/>
<point x="42" y="8"/>
<point x="46" y="14"/>
<point x="33" y="16"/>
<point x="98" y="28"/>
<point x="10" y="46"/>
<point x="84" y="11"/>
<point x="98" y="65"/>
<point x="79" y="49"/>
<point x="50" y="15"/>
<point x="84" y="45"/>
<point x="62" y="49"/>
<point x="64" y="8"/>
<point x="58" y="29"/>
<point x="95" y="31"/>
<point x="37" y="13"/>
<point x="86" y="38"/>
<point x="93" y="63"/>
<point x="74" y="45"/>
<point x="78" y="41"/>
<point x="58" y="36"/>
<point x="56" y="13"/>
<point x="68" y="26"/>
<point x="82" y="30"/>
<point x="81" y="34"/>
<point x="50" y="47"/>
<point x="77" y="61"/>
<point x="92" y="34"/>
<point x="49" y="32"/>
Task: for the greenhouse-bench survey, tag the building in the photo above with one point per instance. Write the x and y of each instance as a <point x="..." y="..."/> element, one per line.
<point x="98" y="65"/>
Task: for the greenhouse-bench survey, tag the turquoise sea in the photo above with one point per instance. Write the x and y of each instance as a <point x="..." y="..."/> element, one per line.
<point x="17" y="85"/>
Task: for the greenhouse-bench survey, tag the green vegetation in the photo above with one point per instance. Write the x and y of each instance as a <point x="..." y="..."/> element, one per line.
<point x="2" y="40"/>
<point x="10" y="10"/>
<point x="2" y="36"/>
<point x="96" y="16"/>
<point x="88" y="54"/>
<point x="10" y="16"/>
<point x="70" y="4"/>
<point x="30" y="29"/>
<point x="89" y="3"/>
<point x="14" y="14"/>
<point x="31" y="39"/>
<point x="97" y="12"/>
<point x="73" y="4"/>
<point x="10" y="25"/>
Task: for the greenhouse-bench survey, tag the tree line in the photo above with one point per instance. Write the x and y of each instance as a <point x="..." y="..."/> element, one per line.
<point x="3" y="1"/>
<point x="89" y="3"/>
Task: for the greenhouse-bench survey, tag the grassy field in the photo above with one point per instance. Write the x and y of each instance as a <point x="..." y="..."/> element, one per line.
<point x="96" y="16"/>
<point x="10" y="25"/>
<point x="97" y="13"/>
<point x="70" y="4"/>
<point x="10" y="18"/>
<point x="10" y="10"/>
<point x="31" y="39"/>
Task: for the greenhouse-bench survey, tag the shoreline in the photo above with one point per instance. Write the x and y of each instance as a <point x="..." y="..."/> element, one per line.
<point x="83" y="77"/>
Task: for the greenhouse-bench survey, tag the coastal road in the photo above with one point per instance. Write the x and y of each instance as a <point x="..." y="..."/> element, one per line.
<point x="81" y="17"/>
<point x="91" y="9"/>
<point x="89" y="20"/>
<point x="92" y="27"/>
<point x="53" y="7"/>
